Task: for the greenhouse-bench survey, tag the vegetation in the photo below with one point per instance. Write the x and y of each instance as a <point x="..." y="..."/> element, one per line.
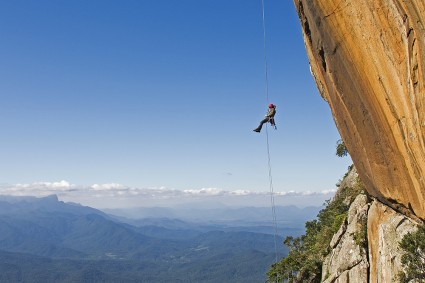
<point x="233" y="267"/>
<point x="307" y="252"/>
<point x="413" y="244"/>
<point x="341" y="149"/>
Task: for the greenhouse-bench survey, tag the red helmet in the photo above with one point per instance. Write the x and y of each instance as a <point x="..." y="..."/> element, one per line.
<point x="271" y="105"/>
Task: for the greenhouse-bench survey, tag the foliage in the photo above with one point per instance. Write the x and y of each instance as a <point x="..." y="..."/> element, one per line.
<point x="360" y="236"/>
<point x="341" y="149"/>
<point x="306" y="253"/>
<point x="223" y="264"/>
<point x="242" y="267"/>
<point x="413" y="244"/>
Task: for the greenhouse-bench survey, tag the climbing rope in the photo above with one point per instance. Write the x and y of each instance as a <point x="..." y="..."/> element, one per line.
<point x="266" y="76"/>
<point x="272" y="198"/>
<point x="265" y="53"/>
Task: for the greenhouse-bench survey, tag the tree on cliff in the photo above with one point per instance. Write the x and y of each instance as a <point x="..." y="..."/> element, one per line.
<point x="413" y="244"/>
<point x="341" y="149"/>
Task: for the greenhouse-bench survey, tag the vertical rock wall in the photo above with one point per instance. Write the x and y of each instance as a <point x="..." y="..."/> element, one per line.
<point x="368" y="60"/>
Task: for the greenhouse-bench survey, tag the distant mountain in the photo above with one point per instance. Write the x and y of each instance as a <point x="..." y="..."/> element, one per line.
<point x="48" y="227"/>
<point x="47" y="240"/>
<point x="11" y="205"/>
<point x="287" y="216"/>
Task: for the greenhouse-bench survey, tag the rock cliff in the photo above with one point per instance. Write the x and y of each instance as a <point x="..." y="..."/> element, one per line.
<point x="368" y="60"/>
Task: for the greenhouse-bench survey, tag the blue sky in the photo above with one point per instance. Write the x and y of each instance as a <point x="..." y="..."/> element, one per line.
<point x="161" y="93"/>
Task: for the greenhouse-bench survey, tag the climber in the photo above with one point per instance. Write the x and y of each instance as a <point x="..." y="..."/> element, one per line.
<point x="269" y="118"/>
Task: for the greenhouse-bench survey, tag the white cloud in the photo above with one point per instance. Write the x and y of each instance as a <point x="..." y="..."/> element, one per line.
<point x="61" y="185"/>
<point x="37" y="188"/>
<point x="240" y="193"/>
<point x="205" y="192"/>
<point x="108" y="187"/>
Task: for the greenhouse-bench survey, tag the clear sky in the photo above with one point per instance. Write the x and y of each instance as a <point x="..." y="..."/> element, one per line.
<point x="160" y="94"/>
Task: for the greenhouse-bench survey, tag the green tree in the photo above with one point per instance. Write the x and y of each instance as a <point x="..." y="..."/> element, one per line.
<point x="341" y="149"/>
<point x="413" y="244"/>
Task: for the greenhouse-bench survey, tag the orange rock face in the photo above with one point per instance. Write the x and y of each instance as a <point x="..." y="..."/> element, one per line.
<point x="368" y="60"/>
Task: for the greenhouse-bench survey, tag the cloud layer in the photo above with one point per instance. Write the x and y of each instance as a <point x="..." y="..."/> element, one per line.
<point x="118" y="195"/>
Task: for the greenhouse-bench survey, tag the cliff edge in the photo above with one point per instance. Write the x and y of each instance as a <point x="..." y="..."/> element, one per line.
<point x="368" y="61"/>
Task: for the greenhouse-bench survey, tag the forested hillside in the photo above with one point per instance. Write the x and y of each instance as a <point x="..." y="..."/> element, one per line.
<point x="45" y="240"/>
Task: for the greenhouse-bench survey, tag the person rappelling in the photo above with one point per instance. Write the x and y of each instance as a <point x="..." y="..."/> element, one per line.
<point x="269" y="118"/>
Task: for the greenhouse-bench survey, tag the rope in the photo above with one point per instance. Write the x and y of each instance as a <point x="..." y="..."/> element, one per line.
<point x="265" y="54"/>
<point x="272" y="198"/>
<point x="267" y="135"/>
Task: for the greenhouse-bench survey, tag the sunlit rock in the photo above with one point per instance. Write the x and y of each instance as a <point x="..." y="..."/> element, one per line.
<point x="368" y="61"/>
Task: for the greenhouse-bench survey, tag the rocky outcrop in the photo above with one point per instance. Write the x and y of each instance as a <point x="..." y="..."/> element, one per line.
<point x="348" y="261"/>
<point x="368" y="60"/>
<point x="366" y="247"/>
